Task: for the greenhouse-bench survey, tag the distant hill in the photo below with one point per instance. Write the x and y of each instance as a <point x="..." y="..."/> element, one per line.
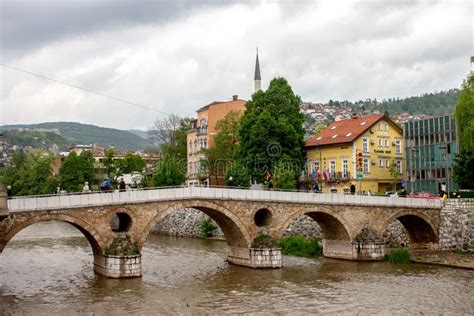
<point x="437" y="103"/>
<point x="36" y="139"/>
<point x="139" y="133"/>
<point x="77" y="133"/>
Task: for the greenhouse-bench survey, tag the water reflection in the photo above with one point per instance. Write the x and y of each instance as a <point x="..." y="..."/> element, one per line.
<point x="52" y="273"/>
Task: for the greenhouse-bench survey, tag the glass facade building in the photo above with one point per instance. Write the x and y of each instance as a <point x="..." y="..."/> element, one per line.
<point x="430" y="148"/>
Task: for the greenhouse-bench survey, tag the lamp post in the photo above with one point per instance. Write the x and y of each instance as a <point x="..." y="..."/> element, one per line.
<point x="445" y="147"/>
<point x="320" y="170"/>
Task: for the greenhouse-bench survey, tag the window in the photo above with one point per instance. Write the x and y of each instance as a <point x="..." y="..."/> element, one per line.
<point x="380" y="126"/>
<point x="316" y="167"/>
<point x="380" y="142"/>
<point x="345" y="168"/>
<point x="365" y="145"/>
<point x="399" y="166"/>
<point x="380" y="163"/>
<point x="398" y="146"/>
<point x="386" y="142"/>
<point x="366" y="165"/>
<point x="387" y="163"/>
<point x="332" y="168"/>
<point x="385" y="126"/>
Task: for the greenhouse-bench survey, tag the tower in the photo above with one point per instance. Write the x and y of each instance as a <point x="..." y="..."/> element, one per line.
<point x="257" y="78"/>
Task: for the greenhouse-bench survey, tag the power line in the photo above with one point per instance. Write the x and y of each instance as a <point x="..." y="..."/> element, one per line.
<point x="85" y="89"/>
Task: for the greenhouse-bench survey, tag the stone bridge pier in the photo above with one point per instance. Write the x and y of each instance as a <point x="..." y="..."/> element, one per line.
<point x="117" y="228"/>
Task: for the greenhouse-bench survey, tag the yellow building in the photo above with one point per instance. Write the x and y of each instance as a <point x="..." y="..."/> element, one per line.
<point x="361" y="147"/>
<point x="201" y="136"/>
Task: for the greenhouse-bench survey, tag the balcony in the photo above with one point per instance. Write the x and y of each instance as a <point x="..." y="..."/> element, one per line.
<point x="201" y="130"/>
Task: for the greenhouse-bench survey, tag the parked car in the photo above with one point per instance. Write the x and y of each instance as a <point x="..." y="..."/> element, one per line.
<point x="423" y="195"/>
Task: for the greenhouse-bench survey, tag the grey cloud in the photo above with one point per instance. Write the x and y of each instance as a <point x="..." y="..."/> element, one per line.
<point x="29" y="24"/>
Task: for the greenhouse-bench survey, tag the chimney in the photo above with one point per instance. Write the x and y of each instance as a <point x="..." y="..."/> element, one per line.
<point x="355" y="115"/>
<point x="235" y="97"/>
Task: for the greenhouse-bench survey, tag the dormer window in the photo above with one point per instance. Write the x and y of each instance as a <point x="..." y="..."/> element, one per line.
<point x="319" y="138"/>
<point x="334" y="136"/>
<point x="334" y="127"/>
<point x="349" y="134"/>
<point x="363" y="123"/>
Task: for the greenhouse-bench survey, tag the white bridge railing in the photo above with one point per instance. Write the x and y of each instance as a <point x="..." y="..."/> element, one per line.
<point x="31" y="203"/>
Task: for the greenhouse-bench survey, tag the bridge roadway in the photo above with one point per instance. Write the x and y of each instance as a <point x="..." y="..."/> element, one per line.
<point x="352" y="225"/>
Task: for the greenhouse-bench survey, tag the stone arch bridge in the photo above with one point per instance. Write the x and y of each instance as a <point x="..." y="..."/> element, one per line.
<point x="352" y="225"/>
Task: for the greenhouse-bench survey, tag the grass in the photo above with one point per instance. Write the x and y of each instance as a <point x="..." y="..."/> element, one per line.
<point x="398" y="255"/>
<point x="301" y="246"/>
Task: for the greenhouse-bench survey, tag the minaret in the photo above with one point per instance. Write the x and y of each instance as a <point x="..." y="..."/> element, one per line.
<point x="257" y="77"/>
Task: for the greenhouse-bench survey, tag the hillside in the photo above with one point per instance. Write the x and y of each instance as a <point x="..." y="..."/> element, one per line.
<point x="77" y="133"/>
<point x="36" y="139"/>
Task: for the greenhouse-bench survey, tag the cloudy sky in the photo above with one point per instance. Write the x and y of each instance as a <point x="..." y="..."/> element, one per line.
<point x="176" y="56"/>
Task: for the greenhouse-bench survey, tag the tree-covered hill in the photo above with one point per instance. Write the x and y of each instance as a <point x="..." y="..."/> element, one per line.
<point x="36" y="139"/>
<point x="438" y="103"/>
<point x="77" y="133"/>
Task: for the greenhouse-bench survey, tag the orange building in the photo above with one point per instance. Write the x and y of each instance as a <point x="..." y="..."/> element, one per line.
<point x="201" y="136"/>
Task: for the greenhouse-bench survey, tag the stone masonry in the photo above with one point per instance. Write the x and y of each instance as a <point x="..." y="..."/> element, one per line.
<point x="456" y="231"/>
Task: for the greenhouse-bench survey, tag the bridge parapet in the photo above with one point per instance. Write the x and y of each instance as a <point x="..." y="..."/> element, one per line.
<point x="31" y="203"/>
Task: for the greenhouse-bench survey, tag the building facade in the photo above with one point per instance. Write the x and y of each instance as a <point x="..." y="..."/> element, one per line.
<point x="365" y="151"/>
<point x="430" y="147"/>
<point x="201" y="136"/>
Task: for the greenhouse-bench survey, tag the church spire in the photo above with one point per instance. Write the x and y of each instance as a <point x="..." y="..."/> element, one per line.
<point x="257" y="77"/>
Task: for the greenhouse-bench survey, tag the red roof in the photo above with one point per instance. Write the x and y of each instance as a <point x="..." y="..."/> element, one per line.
<point x="345" y="131"/>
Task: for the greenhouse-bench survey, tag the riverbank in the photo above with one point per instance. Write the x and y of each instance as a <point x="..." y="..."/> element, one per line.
<point x="445" y="258"/>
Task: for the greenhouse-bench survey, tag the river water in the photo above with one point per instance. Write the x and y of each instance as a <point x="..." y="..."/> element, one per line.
<point x="47" y="269"/>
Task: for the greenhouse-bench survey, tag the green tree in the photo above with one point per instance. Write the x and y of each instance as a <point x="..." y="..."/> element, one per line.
<point x="272" y="127"/>
<point x="108" y="161"/>
<point x="169" y="172"/>
<point x="239" y="174"/>
<point x="76" y="170"/>
<point x="284" y="175"/>
<point x="31" y="174"/>
<point x="392" y="169"/>
<point x="130" y="163"/>
<point x="463" y="169"/>
<point x="465" y="114"/>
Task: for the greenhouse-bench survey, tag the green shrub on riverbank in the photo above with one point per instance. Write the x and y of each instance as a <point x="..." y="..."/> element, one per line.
<point x="398" y="255"/>
<point x="301" y="246"/>
<point x="207" y="228"/>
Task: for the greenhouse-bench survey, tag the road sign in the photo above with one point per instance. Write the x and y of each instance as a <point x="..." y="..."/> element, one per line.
<point x="359" y="176"/>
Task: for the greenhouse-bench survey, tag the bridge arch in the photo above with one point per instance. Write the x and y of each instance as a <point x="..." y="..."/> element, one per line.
<point x="419" y="226"/>
<point x="235" y="231"/>
<point x="85" y="228"/>
<point x="333" y="226"/>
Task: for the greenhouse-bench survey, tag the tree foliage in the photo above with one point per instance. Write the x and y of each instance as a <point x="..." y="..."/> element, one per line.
<point x="284" y="176"/>
<point x="465" y="114"/>
<point x="169" y="172"/>
<point x="30" y="174"/>
<point x="239" y="174"/>
<point x="272" y="127"/>
<point x="108" y="161"/>
<point x="464" y="169"/>
<point x="76" y="170"/>
<point x="130" y="163"/>
<point x="170" y="134"/>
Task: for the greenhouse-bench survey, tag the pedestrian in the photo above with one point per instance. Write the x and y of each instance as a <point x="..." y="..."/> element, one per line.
<point x="9" y="191"/>
<point x="270" y="185"/>
<point x="445" y="196"/>
<point x="230" y="182"/>
<point x="122" y="186"/>
<point x="369" y="193"/>
<point x="106" y="185"/>
<point x="85" y="188"/>
<point x="353" y="189"/>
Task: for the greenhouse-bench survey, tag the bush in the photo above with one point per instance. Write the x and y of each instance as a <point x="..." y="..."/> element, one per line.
<point x="264" y="241"/>
<point x="122" y="246"/>
<point x="207" y="228"/>
<point x="398" y="255"/>
<point x="301" y="246"/>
